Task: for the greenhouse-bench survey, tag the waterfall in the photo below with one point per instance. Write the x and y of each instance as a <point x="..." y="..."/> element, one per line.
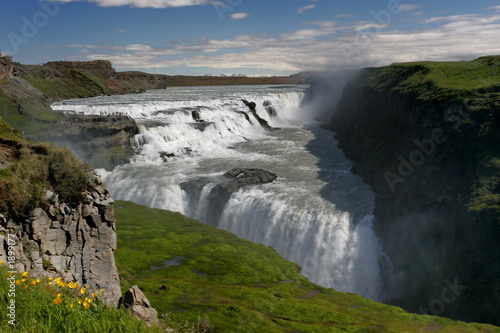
<point x="316" y="214"/>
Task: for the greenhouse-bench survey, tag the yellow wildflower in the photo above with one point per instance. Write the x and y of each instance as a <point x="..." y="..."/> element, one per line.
<point x="1" y="261"/>
<point x="101" y="291"/>
<point x="80" y="301"/>
<point x="25" y="274"/>
<point x="10" y="274"/>
<point x="94" y="295"/>
<point x="82" y="290"/>
<point x="37" y="280"/>
<point x="51" y="278"/>
<point x="33" y="282"/>
<point x="50" y="283"/>
<point x="71" y="305"/>
<point x="89" y="300"/>
<point x="86" y="305"/>
<point x="57" y="300"/>
<point x="23" y="280"/>
<point x="26" y="286"/>
<point x="59" y="295"/>
<point x="18" y="282"/>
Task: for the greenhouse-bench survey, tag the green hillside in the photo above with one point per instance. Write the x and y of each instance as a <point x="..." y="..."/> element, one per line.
<point x="425" y="136"/>
<point x="241" y="286"/>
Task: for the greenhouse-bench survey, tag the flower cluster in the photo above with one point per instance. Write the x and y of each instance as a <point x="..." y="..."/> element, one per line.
<point x="68" y="293"/>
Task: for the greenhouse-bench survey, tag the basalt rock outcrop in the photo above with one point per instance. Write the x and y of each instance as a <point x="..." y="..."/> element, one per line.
<point x="75" y="243"/>
<point x="252" y="106"/>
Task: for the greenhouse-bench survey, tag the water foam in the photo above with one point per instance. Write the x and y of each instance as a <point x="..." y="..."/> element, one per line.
<point x="324" y="225"/>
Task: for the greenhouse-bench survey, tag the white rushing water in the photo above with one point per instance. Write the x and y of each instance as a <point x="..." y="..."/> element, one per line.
<point x="316" y="213"/>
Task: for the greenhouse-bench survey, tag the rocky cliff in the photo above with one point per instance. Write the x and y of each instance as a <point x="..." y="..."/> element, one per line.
<point x="75" y="243"/>
<point x="56" y="217"/>
<point x="425" y="137"/>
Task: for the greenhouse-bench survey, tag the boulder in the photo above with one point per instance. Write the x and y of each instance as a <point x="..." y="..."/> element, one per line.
<point x="242" y="177"/>
<point x="139" y="305"/>
<point x="197" y="117"/>
<point x="271" y="111"/>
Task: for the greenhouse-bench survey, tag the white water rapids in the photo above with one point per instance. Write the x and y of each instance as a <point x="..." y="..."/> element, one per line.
<point x="316" y="213"/>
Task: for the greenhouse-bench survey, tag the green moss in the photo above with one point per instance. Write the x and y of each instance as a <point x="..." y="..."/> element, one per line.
<point x="34" y="168"/>
<point x="240" y="286"/>
<point x="90" y="80"/>
<point x="438" y="81"/>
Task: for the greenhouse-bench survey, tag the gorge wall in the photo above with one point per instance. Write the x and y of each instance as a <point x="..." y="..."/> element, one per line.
<point x="425" y="137"/>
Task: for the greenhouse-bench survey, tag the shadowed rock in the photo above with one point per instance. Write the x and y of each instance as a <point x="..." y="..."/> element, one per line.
<point x="262" y="122"/>
<point x="139" y="305"/>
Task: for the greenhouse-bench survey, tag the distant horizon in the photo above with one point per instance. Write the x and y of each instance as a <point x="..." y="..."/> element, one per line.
<point x="254" y="38"/>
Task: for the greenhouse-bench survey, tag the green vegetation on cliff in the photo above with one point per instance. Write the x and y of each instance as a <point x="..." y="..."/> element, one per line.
<point x="28" y="169"/>
<point x="189" y="270"/>
<point x="426" y="137"/>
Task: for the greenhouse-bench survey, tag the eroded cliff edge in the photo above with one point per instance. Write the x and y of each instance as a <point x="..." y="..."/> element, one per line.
<point x="56" y="216"/>
<point x="426" y="137"/>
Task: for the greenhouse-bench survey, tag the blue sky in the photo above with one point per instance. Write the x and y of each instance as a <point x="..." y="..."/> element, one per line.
<point x="256" y="37"/>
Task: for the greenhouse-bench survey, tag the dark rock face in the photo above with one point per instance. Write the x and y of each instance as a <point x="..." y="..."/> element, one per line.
<point x="271" y="111"/>
<point x="243" y="177"/>
<point x="75" y="243"/>
<point x="165" y="155"/>
<point x="262" y="122"/>
<point x="423" y="214"/>
<point x="139" y="305"/>
<point x="197" y="117"/>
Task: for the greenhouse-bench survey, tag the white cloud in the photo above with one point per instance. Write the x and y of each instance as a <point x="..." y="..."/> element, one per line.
<point x="303" y="9"/>
<point x="323" y="47"/>
<point x="344" y="15"/>
<point x="145" y="3"/>
<point x="122" y="31"/>
<point x="496" y="8"/>
<point x="324" y="24"/>
<point x="465" y="17"/>
<point x="239" y="16"/>
<point x="407" y="7"/>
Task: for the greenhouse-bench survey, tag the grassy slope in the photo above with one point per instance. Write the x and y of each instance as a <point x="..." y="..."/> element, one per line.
<point x="242" y="286"/>
<point x="28" y="169"/>
<point x="36" y="311"/>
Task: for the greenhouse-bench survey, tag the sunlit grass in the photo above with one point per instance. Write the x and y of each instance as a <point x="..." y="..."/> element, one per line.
<point x="52" y="305"/>
<point x="239" y="285"/>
